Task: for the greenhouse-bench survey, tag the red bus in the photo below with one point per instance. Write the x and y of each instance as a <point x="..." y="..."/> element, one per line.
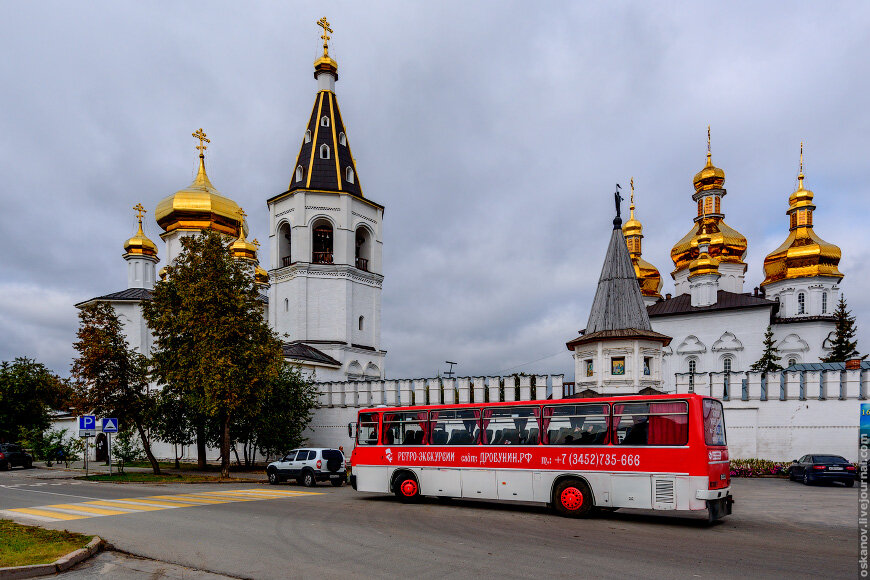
<point x="662" y="452"/>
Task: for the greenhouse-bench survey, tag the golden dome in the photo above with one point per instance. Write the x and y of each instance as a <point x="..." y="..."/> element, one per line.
<point x="242" y="248"/>
<point x="710" y="177"/>
<point x="726" y="243"/>
<point x="139" y="244"/>
<point x="704" y="263"/>
<point x="803" y="254"/>
<point x="164" y="272"/>
<point x="648" y="276"/>
<point x="261" y="276"/>
<point x="199" y="206"/>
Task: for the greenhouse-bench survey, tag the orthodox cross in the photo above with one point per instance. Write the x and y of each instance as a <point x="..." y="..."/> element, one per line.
<point x="801" y="173"/>
<point x="140" y="211"/>
<point x="709" y="155"/>
<point x="200" y="134"/>
<point x="632" y="190"/>
<point x="322" y="23"/>
<point x="256" y="243"/>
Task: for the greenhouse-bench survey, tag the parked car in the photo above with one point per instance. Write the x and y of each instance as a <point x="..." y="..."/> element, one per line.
<point x="814" y="468"/>
<point x="12" y="455"/>
<point x="308" y="466"/>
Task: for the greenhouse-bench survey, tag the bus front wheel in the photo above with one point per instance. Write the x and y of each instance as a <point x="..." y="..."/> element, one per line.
<point x="572" y="498"/>
<point x="406" y="488"/>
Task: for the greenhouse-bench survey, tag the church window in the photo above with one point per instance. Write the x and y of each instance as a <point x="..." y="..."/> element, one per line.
<point x="286" y="305"/>
<point x="792" y="362"/>
<point x="322" y="253"/>
<point x="362" y="250"/>
<point x="590" y="367"/>
<point x="342" y="139"/>
<point x="802" y="303"/>
<point x="726" y="364"/>
<point x="348" y="175"/>
<point x="718" y="204"/>
<point x="647" y="365"/>
<point x="324" y="151"/>
<point x="298" y="173"/>
<point x="693" y="366"/>
<point x="324" y="121"/>
<point x="824" y="302"/>
<point x="307" y="138"/>
<point x="361" y="322"/>
<point x="284" y="245"/>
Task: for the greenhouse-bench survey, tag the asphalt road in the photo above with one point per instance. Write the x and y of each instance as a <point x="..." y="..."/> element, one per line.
<point x="778" y="529"/>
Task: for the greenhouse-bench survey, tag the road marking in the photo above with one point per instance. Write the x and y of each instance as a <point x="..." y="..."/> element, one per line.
<point x="45" y="514"/>
<point x="110" y="507"/>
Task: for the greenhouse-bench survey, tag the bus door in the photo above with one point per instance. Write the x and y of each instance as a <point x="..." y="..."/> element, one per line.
<point x="718" y="465"/>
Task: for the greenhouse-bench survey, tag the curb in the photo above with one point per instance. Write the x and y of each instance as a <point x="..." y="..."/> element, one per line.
<point x="60" y="565"/>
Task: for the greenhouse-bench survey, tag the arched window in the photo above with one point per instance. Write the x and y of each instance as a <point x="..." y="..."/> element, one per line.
<point x="286" y="305"/>
<point x="342" y="139"/>
<point x="363" y="248"/>
<point x="348" y="175"/>
<point x="824" y="302"/>
<point x="322" y="247"/>
<point x="693" y="367"/>
<point x="324" y="151"/>
<point x="361" y="322"/>
<point x="324" y="121"/>
<point x="802" y="303"/>
<point x="792" y="362"/>
<point x="298" y="173"/>
<point x="726" y="364"/>
<point x="284" y="245"/>
<point x="307" y="138"/>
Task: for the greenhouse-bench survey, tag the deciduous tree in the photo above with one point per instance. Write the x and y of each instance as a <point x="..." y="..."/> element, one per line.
<point x="212" y="342"/>
<point x="28" y="392"/>
<point x="111" y="377"/>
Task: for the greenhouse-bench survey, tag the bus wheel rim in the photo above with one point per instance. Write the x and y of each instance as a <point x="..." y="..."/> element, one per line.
<point x="572" y="498"/>
<point x="409" y="487"/>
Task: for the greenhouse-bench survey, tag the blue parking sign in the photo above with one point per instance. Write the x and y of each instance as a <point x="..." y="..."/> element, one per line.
<point x="87" y="426"/>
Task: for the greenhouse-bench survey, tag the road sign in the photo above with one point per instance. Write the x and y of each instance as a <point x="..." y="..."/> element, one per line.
<point x="110" y="425"/>
<point x="87" y="426"/>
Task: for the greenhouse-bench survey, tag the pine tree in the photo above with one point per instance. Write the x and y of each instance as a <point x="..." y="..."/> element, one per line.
<point x="844" y="348"/>
<point x="769" y="360"/>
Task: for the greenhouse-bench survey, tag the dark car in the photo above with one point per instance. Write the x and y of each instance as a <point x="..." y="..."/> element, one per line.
<point x="815" y="468"/>
<point x="12" y="455"/>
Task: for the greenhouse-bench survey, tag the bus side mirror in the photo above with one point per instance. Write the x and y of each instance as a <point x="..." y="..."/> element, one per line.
<point x="351" y="430"/>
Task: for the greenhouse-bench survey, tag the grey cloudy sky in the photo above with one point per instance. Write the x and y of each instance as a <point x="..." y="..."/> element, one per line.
<point x="493" y="133"/>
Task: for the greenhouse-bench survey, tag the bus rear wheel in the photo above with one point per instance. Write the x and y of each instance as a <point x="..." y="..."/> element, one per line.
<point x="406" y="488"/>
<point x="572" y="498"/>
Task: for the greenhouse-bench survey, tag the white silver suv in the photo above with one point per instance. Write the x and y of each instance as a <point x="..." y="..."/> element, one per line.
<point x="308" y="466"/>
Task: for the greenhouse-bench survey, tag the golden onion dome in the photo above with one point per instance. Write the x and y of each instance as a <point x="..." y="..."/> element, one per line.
<point x="704" y="263"/>
<point x="261" y="276"/>
<point x="648" y="276"/>
<point x="726" y="243"/>
<point x="199" y="206"/>
<point x="803" y="254"/>
<point x="164" y="272"/>
<point x="710" y="177"/>
<point x="139" y="244"/>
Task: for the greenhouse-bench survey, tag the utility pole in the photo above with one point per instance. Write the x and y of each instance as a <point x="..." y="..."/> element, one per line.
<point x="449" y="374"/>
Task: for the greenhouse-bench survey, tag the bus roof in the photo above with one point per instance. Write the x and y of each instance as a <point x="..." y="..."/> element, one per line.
<point x="603" y="399"/>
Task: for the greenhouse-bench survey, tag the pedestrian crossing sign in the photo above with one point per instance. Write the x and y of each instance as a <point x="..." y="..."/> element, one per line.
<point x="110" y="425"/>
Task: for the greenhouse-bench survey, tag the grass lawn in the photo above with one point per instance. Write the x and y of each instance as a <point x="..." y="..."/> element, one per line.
<point x="186" y="466"/>
<point x="26" y="545"/>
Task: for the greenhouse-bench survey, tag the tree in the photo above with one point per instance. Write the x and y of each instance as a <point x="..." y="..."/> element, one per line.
<point x="126" y="448"/>
<point x="111" y="377"/>
<point x="173" y="422"/>
<point x="28" y="392"/>
<point x="211" y="341"/>
<point x="843" y="347"/>
<point x="769" y="360"/>
<point x="286" y="412"/>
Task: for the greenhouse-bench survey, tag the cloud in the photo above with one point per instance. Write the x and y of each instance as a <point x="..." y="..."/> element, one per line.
<point x="492" y="132"/>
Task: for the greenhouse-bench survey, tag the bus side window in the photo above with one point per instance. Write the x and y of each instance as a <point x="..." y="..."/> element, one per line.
<point x="511" y="425"/>
<point x="459" y="427"/>
<point x="368" y="429"/>
<point x="653" y="423"/>
<point x="576" y="424"/>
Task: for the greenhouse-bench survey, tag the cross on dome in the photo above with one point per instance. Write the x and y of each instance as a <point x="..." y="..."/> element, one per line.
<point x="200" y="134"/>
<point x="325" y="36"/>
<point x="140" y="212"/>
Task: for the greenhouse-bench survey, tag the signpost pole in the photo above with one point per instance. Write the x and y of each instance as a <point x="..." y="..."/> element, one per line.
<point x="86" y="456"/>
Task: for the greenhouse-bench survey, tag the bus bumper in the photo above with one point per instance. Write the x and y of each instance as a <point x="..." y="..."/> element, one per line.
<point x="719" y="508"/>
<point x="713" y="494"/>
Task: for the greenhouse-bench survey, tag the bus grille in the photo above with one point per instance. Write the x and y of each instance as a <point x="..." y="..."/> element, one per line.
<point x="664" y="491"/>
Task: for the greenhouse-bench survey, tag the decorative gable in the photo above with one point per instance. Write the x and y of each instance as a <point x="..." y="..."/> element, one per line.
<point x="793" y="343"/>
<point x="728" y="342"/>
<point x="691" y="345"/>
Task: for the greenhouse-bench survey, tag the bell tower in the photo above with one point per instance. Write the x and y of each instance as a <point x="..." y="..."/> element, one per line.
<point x="325" y="244"/>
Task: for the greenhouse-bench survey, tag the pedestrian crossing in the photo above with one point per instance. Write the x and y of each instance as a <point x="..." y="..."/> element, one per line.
<point x="117" y="507"/>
